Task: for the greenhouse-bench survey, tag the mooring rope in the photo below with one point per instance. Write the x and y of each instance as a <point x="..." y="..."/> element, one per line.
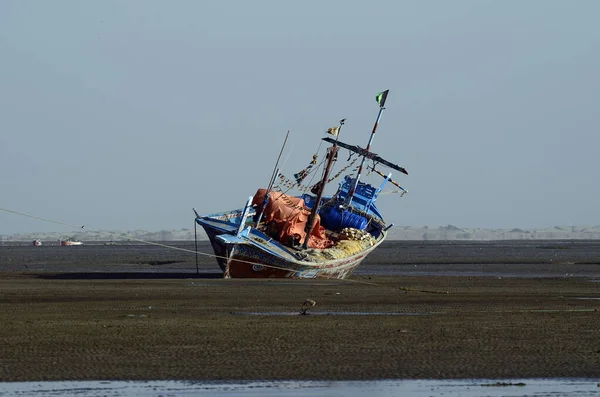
<point x="153" y="242"/>
<point x="346" y="280"/>
<point x="41" y="219"/>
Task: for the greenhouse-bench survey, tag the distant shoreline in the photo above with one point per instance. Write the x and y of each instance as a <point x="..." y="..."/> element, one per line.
<point x="414" y="233"/>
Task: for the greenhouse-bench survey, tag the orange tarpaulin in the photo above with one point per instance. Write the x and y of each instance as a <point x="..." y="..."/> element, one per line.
<point x="291" y="216"/>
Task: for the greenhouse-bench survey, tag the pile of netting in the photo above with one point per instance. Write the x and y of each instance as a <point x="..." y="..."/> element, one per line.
<point x="350" y="241"/>
<point x="352" y="234"/>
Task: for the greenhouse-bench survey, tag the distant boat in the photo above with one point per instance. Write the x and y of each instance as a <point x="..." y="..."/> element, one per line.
<point x="69" y="242"/>
<point x="37" y="243"/>
<point x="309" y="235"/>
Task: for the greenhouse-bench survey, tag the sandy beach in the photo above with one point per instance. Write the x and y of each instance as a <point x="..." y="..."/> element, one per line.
<point x="413" y="310"/>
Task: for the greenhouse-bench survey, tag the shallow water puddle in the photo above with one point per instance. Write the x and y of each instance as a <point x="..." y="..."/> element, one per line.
<point x="379" y="388"/>
<point x="334" y="314"/>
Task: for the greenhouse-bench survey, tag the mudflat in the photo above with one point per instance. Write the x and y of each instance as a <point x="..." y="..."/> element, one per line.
<point x="499" y="310"/>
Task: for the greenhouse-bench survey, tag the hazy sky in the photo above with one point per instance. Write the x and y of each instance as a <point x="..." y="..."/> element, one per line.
<point x="126" y="114"/>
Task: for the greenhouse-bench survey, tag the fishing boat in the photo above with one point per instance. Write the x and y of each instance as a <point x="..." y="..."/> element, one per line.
<point x="69" y="242"/>
<point x="309" y="235"/>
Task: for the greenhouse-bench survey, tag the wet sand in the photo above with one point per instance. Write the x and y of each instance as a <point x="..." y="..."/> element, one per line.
<point x="413" y="310"/>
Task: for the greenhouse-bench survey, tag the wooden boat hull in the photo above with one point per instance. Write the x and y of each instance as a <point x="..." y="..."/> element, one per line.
<point x="247" y="262"/>
<point x="253" y="256"/>
<point x="305" y="236"/>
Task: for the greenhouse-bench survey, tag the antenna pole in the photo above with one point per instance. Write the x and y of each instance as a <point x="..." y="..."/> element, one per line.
<point x="362" y="162"/>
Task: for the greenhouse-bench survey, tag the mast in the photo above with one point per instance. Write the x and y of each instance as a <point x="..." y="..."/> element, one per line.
<point x="381" y="97"/>
<point x="331" y="157"/>
<point x="331" y="154"/>
<point x="274" y="176"/>
<point x="275" y="170"/>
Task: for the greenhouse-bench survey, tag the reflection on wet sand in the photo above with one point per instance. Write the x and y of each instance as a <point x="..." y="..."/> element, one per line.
<point x="379" y="388"/>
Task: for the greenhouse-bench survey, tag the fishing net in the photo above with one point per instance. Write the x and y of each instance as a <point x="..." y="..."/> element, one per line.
<point x="351" y="241"/>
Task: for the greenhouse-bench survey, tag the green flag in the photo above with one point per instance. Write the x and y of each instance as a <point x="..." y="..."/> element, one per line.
<point x="381" y="97"/>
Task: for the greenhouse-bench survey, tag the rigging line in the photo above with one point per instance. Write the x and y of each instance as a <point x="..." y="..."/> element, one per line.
<point x="181" y="249"/>
<point x="395" y="191"/>
<point x="314" y="169"/>
<point x="308" y="173"/>
<point x="316" y="153"/>
<point x="163" y="245"/>
<point x="346" y="280"/>
<point x="91" y="230"/>
<point x="281" y="168"/>
<point x="296" y="208"/>
<point x="286" y="158"/>
<point x="278" y="158"/>
<point x="202" y="253"/>
<point x="275" y="267"/>
<point x="285" y="193"/>
<point x="135" y="239"/>
<point x="140" y="240"/>
<point x="318" y="166"/>
<point x="41" y="219"/>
